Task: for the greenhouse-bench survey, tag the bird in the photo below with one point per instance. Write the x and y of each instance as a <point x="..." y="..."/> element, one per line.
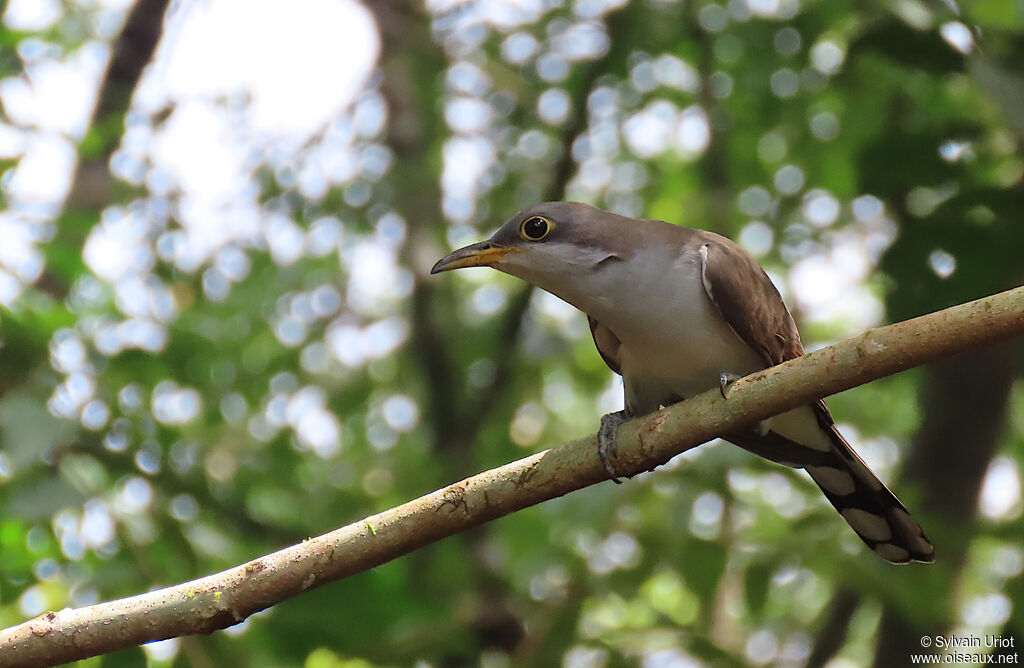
<point x="677" y="311"/>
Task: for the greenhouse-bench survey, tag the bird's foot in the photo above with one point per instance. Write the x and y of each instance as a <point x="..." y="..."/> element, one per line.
<point x="606" y="442"/>
<point x="725" y="381"/>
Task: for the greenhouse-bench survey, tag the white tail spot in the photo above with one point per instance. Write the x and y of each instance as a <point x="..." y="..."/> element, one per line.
<point x="833" y="480"/>
<point x="891" y="552"/>
<point x="867" y="524"/>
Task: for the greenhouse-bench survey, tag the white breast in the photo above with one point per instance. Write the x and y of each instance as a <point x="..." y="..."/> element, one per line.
<point x="672" y="336"/>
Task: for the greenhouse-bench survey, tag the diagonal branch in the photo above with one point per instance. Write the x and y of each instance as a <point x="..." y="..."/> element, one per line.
<point x="226" y="598"/>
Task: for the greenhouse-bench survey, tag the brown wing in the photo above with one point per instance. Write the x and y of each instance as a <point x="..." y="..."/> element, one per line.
<point x="607" y="345"/>
<point x="746" y="298"/>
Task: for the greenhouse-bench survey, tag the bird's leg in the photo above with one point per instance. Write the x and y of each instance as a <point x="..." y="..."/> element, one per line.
<point x="725" y="381"/>
<point x="606" y="441"/>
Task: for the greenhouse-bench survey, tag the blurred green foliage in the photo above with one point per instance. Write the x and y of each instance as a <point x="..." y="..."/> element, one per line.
<point x="205" y="414"/>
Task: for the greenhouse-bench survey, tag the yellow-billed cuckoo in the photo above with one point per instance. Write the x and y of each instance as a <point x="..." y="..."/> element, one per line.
<point x="678" y="311"/>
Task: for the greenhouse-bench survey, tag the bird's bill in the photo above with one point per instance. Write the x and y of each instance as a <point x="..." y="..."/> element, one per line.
<point x="482" y="254"/>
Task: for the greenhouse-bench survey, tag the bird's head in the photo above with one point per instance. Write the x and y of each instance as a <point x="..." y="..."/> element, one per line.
<point x="545" y="243"/>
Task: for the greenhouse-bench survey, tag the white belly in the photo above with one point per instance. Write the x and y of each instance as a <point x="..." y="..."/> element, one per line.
<point x="682" y="352"/>
<point x="675" y="343"/>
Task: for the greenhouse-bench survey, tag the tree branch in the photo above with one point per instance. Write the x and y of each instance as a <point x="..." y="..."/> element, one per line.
<point x="226" y="598"/>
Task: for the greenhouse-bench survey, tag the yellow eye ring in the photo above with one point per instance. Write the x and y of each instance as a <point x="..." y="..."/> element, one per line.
<point x="535" y="228"/>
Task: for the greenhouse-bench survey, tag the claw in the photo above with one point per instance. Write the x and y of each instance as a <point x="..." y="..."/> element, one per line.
<point x="725" y="381"/>
<point x="606" y="442"/>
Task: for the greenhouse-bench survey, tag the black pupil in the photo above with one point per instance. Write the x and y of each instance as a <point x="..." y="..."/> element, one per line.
<point x="535" y="228"/>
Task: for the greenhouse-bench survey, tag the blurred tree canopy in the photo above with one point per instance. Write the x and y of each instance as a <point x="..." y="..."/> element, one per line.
<point x="192" y="375"/>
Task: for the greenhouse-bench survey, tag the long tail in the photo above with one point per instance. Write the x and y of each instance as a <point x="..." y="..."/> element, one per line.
<point x="867" y="505"/>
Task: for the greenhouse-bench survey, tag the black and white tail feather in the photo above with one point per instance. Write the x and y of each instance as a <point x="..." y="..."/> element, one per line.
<point x="867" y="505"/>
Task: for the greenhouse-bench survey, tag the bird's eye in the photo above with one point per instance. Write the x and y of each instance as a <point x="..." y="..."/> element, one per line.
<point x="535" y="228"/>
